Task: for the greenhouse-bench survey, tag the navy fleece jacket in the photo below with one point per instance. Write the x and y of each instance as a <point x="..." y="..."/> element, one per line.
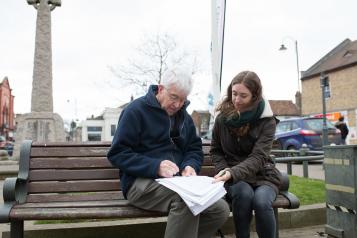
<point x="142" y="140"/>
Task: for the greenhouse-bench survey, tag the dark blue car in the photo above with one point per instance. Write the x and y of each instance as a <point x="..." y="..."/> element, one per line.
<point x="292" y="133"/>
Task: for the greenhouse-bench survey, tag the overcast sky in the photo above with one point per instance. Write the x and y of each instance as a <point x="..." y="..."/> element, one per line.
<point x="88" y="36"/>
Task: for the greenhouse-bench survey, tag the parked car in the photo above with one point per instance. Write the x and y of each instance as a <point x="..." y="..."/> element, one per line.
<point x="6" y="145"/>
<point x="9" y="147"/>
<point x="292" y="133"/>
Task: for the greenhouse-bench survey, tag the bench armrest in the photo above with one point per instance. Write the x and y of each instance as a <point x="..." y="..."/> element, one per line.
<point x="14" y="191"/>
<point x="284" y="186"/>
<point x="293" y="199"/>
<point x="284" y="190"/>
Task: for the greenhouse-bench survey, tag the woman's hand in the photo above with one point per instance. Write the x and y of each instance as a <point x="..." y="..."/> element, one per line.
<point x="223" y="175"/>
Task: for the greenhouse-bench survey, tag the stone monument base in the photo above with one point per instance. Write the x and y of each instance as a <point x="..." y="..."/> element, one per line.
<point x="39" y="127"/>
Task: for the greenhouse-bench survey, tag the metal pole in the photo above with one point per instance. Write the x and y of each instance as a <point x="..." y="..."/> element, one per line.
<point x="224" y="23"/>
<point x="297" y="64"/>
<point x="324" y="125"/>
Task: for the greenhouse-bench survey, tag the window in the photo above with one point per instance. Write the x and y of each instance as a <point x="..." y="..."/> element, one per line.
<point x="94" y="128"/>
<point x="94" y="137"/>
<point x="112" y="130"/>
<point x="295" y="125"/>
<point x="283" y="127"/>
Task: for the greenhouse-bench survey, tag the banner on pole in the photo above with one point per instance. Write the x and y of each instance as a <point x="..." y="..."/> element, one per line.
<point x="217" y="38"/>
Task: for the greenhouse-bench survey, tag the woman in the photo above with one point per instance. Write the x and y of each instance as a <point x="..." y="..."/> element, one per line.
<point x="241" y="142"/>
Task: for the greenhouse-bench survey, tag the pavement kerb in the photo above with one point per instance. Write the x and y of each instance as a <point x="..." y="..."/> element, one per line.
<point x="310" y="215"/>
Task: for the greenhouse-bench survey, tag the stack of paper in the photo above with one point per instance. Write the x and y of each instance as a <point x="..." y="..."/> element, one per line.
<point x="198" y="192"/>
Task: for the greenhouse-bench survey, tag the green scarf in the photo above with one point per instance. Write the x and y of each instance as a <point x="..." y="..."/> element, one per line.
<point x="243" y="118"/>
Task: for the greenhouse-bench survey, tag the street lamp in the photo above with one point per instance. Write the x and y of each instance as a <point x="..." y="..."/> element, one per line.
<point x="283" y="47"/>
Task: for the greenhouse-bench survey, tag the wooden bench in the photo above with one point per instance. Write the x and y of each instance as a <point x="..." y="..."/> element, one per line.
<point x="58" y="181"/>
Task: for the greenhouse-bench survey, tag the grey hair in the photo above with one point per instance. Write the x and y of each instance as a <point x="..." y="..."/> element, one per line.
<point x="181" y="80"/>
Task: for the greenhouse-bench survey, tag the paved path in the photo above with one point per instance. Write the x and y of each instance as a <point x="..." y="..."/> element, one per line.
<point x="306" y="232"/>
<point x="315" y="170"/>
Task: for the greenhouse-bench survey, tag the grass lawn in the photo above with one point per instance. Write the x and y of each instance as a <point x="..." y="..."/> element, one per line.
<point x="309" y="191"/>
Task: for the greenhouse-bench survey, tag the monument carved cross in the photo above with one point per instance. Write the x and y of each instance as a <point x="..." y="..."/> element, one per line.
<point x="42" y="99"/>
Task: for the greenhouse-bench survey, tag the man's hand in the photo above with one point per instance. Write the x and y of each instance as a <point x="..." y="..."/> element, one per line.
<point x="167" y="169"/>
<point x="188" y="171"/>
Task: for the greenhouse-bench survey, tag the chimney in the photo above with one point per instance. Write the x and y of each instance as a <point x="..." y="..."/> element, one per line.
<point x="298" y="101"/>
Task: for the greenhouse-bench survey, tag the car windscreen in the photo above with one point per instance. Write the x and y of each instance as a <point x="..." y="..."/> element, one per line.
<point x="316" y="124"/>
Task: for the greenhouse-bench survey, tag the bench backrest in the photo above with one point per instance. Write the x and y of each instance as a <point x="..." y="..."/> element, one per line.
<point x="59" y="172"/>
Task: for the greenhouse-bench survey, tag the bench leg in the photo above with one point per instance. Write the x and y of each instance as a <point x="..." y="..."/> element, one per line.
<point x="277" y="222"/>
<point x="17" y="229"/>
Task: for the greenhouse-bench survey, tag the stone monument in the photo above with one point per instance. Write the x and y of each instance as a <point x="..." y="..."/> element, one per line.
<point x="41" y="124"/>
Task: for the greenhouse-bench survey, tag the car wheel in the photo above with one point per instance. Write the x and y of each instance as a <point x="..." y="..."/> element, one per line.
<point x="277" y="145"/>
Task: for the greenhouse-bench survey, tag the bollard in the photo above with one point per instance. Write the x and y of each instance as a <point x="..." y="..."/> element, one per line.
<point x="289" y="168"/>
<point x="305" y="164"/>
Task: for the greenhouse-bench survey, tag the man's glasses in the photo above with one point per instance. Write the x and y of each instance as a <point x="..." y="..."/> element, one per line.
<point x="174" y="98"/>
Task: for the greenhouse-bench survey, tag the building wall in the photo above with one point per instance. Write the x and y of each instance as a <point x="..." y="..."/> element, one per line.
<point x="201" y="119"/>
<point x="343" y="97"/>
<point x="108" y="125"/>
<point x="92" y="123"/>
<point x="7" y="116"/>
<point x="111" y="117"/>
<point x="343" y="86"/>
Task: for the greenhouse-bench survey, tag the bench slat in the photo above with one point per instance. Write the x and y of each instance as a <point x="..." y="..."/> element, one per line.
<point x="280" y="201"/>
<point x="89" y="204"/>
<point x="74" y="174"/>
<point x="73" y="186"/>
<point x="69" y="163"/>
<point x="72" y="197"/>
<point x="80" y="213"/>
<point x="207" y="171"/>
<point x="69" y="151"/>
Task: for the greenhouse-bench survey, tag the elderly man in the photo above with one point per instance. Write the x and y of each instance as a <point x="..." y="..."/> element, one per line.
<point x="156" y="138"/>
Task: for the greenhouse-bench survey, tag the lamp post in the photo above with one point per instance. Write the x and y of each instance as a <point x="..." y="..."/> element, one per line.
<point x="283" y="47"/>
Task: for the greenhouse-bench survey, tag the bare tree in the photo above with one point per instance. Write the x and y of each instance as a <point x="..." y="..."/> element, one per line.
<point x="154" y="57"/>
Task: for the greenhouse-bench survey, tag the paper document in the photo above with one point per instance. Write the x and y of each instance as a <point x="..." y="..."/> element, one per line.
<point x="198" y="192"/>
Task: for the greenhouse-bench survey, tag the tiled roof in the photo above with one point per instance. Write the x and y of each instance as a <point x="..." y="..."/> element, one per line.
<point x="343" y="55"/>
<point x="284" y="108"/>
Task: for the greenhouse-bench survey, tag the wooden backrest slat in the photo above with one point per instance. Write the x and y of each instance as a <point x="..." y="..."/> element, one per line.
<point x="73" y="174"/>
<point x="69" y="163"/>
<point x="78" y="204"/>
<point x="79" y="151"/>
<point x="207" y="171"/>
<point x="72" y="197"/>
<point x="73" y="186"/>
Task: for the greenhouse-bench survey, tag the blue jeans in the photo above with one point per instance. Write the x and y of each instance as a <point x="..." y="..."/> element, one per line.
<point x="245" y="199"/>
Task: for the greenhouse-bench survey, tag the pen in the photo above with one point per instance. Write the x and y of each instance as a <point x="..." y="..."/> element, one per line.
<point x="221" y="173"/>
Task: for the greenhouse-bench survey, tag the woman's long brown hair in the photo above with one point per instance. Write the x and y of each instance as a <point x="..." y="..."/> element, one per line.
<point x="250" y="80"/>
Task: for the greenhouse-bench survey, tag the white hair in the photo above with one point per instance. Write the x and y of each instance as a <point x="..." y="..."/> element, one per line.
<point x="180" y="79"/>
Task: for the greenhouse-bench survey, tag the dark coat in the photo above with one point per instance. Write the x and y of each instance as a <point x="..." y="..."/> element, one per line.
<point x="142" y="140"/>
<point x="248" y="156"/>
<point x="343" y="128"/>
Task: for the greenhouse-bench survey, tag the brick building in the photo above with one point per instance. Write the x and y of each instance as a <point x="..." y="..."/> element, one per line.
<point x="340" y="65"/>
<point x="201" y="119"/>
<point x="7" y="126"/>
